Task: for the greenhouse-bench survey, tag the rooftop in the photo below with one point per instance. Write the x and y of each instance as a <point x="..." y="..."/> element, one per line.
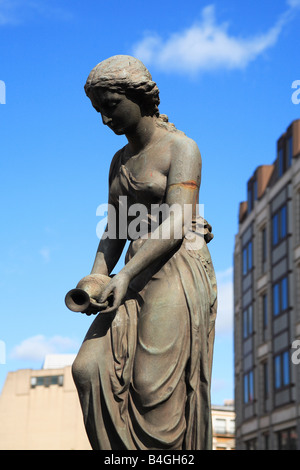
<point x="58" y="361"/>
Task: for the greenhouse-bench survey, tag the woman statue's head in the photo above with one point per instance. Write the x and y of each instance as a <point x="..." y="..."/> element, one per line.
<point x="127" y="75"/>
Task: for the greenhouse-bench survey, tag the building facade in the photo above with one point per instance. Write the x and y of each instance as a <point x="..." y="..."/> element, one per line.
<point x="40" y="410"/>
<point x="223" y="424"/>
<point x="267" y="303"/>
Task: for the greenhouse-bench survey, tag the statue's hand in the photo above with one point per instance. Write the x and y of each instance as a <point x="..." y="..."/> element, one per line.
<point x="94" y="284"/>
<point x="118" y="288"/>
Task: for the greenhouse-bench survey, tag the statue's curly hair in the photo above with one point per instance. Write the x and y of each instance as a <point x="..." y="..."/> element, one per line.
<point x="126" y="75"/>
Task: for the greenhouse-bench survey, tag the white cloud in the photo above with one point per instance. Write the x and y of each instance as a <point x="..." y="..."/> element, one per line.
<point x="13" y="12"/>
<point x="208" y="45"/>
<point x="36" y="347"/>
<point x="224" y="322"/>
<point x="293" y="3"/>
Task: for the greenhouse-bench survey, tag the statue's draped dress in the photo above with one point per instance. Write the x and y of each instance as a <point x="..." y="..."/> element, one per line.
<point x="143" y="373"/>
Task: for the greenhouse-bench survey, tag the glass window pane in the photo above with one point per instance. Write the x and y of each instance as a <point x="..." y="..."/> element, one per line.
<point x="266" y="380"/>
<point x="276" y="299"/>
<point x="47" y="381"/>
<point x="250" y="200"/>
<point x="293" y="439"/>
<point x="231" y="426"/>
<point x="284" y="294"/>
<point x="283" y="440"/>
<point x="246" y="396"/>
<point x="250" y="255"/>
<point x="283" y="222"/>
<point x="251" y="386"/>
<point x="286" y="368"/>
<point x="220" y="425"/>
<point x="245" y="266"/>
<point x="275" y="229"/>
<point x="250" y="320"/>
<point x="245" y="323"/>
<point x="277" y="372"/>
<point x="40" y="380"/>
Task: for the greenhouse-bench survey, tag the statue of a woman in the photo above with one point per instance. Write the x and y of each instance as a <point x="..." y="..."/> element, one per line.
<point x="143" y="372"/>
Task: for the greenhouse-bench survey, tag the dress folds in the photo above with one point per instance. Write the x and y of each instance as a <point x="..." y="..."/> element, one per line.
<point x="143" y="373"/>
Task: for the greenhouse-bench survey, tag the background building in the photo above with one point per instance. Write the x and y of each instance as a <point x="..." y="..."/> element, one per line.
<point x="267" y="303"/>
<point x="39" y="409"/>
<point x="223" y="421"/>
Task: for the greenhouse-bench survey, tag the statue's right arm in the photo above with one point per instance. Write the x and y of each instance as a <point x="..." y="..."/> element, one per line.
<point x="107" y="256"/>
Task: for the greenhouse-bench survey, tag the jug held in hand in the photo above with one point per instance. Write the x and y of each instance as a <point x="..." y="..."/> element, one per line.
<point x="84" y="297"/>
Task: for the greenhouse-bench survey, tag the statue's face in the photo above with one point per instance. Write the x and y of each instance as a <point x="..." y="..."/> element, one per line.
<point x="118" y="112"/>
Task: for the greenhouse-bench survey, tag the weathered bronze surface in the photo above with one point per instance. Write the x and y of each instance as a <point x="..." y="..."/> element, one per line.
<point x="143" y="372"/>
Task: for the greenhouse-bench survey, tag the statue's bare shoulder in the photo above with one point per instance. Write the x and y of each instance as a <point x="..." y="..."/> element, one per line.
<point x="114" y="162"/>
<point x="186" y="161"/>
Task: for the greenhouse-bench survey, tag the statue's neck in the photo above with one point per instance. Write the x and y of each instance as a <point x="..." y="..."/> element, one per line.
<point x="142" y="135"/>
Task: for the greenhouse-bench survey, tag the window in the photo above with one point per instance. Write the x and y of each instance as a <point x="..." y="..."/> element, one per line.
<point x="251" y="444"/>
<point x="46" y="381"/>
<point x="276" y="299"/>
<point x="284" y="294"/>
<point x="266" y="380"/>
<point x="289" y="149"/>
<point x="250" y="200"/>
<point x="282" y="370"/>
<point x="266" y="440"/>
<point x="279" y="224"/>
<point x="280" y="296"/>
<point x="280" y="162"/>
<point x="220" y="426"/>
<point x="248" y="387"/>
<point x="287" y="439"/>
<point x="247" y="258"/>
<point x="255" y="190"/>
<point x="252" y="194"/>
<point x="248" y="322"/>
<point x="265" y="372"/>
<point x="231" y="426"/>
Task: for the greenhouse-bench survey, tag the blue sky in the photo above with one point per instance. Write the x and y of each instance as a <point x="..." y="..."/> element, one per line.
<point x="225" y="72"/>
